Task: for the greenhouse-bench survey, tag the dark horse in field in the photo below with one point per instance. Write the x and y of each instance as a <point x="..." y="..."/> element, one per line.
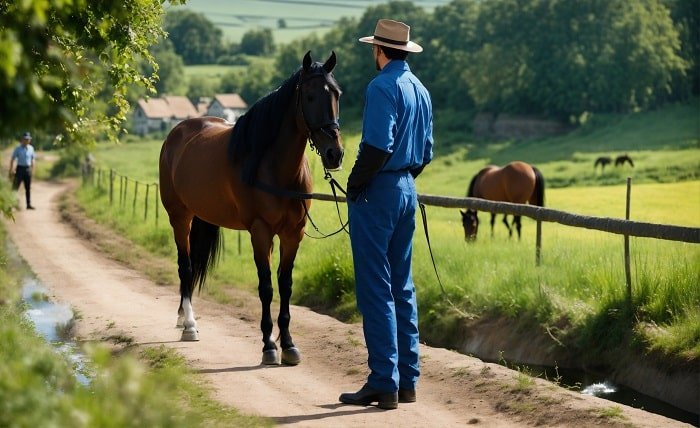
<point x="251" y="176"/>
<point x="620" y="160"/>
<point x="516" y="182"/>
<point x="602" y="161"/>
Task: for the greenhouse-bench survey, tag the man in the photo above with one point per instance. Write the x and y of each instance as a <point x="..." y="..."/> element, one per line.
<point x="396" y="145"/>
<point x="24" y="155"/>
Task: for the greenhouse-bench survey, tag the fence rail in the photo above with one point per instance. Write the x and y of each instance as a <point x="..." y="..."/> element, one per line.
<point x="603" y="224"/>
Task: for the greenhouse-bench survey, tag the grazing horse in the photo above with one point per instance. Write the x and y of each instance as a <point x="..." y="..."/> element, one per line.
<point x="251" y="176"/>
<point x="602" y="161"/>
<point x="516" y="182"/>
<point x="620" y="160"/>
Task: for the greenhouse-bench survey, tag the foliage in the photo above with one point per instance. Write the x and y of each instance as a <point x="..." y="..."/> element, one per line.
<point x="69" y="163"/>
<point x="195" y="38"/>
<point x="52" y="53"/>
<point x="171" y="70"/>
<point x="539" y="57"/>
<point x="251" y="83"/>
<point x="613" y="56"/>
<point x="257" y="42"/>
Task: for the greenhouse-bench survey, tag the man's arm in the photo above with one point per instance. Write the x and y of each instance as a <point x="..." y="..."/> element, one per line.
<point x="369" y="162"/>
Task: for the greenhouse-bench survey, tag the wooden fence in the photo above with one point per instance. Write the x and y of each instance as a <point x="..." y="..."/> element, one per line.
<point x="618" y="226"/>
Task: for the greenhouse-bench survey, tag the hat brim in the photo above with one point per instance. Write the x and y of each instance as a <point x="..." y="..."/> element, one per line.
<point x="409" y="47"/>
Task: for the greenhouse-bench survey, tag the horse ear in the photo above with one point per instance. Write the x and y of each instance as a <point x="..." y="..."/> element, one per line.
<point x="329" y="65"/>
<point x="464" y="213"/>
<point x="307" y="61"/>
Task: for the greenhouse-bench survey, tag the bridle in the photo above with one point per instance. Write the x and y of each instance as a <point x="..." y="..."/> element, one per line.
<point x="327" y="125"/>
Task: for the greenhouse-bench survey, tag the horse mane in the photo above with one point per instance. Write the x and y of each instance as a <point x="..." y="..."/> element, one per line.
<point x="258" y="128"/>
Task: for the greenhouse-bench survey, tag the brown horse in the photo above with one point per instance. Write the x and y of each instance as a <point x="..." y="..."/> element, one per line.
<point x="251" y="176"/>
<point x="622" y="159"/>
<point x="516" y="182"/>
<point x="602" y="161"/>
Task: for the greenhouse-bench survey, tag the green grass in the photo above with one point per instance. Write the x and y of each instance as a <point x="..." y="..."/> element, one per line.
<point x="578" y="292"/>
<point x="215" y="71"/>
<point x="301" y="17"/>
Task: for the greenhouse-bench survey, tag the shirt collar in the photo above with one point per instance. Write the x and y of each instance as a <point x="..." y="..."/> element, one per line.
<point x="395" y="65"/>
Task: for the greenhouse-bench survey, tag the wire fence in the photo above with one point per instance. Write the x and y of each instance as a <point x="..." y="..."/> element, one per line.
<point x="113" y="181"/>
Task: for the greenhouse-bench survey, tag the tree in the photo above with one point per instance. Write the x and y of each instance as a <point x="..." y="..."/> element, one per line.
<point x="257" y="42"/>
<point x="52" y="54"/>
<point x="171" y="70"/>
<point x="195" y="38"/>
<point x="563" y="59"/>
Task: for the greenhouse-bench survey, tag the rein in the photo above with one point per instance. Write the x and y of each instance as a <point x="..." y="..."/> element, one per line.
<point x="302" y="196"/>
<point x="327" y="127"/>
<point x="430" y="249"/>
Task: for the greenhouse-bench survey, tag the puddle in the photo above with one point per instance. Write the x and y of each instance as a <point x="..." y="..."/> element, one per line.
<point x="53" y="321"/>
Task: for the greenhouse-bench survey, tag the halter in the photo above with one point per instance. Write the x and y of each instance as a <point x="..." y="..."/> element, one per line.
<point x="327" y="126"/>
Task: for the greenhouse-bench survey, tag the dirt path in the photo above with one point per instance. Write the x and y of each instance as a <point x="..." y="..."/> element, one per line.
<point x="454" y="390"/>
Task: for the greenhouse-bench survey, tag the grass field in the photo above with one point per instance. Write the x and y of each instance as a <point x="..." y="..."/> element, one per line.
<point x="581" y="280"/>
<point x="300" y="16"/>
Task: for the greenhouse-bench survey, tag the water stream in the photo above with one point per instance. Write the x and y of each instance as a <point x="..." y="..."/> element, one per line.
<point x="598" y="385"/>
<point x="54" y="322"/>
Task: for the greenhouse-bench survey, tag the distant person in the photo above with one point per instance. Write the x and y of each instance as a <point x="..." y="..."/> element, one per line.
<point x="25" y="157"/>
<point x="396" y="144"/>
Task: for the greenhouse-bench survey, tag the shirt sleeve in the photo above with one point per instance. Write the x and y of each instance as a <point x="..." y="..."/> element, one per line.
<point x="379" y="124"/>
<point x="428" y="152"/>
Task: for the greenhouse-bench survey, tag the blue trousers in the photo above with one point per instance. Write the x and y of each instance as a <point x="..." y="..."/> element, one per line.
<point x="382" y="222"/>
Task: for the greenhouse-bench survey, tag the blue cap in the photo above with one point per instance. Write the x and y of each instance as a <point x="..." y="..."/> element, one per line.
<point x="27" y="136"/>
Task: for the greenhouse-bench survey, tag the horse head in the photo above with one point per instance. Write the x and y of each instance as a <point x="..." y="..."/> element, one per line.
<point x="318" y="97"/>
<point x="470" y="222"/>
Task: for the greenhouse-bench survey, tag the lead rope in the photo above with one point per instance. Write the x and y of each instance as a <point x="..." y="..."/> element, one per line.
<point x="430" y="249"/>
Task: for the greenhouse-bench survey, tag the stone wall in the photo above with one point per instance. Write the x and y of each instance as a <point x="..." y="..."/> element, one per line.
<point x="490" y="125"/>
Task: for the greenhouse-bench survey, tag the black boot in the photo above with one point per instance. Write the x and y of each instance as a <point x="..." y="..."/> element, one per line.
<point x="407" y="395"/>
<point x="366" y="396"/>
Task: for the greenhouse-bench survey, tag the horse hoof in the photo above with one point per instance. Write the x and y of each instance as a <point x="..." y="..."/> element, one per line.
<point x="190" y="335"/>
<point x="270" y="357"/>
<point x="291" y="356"/>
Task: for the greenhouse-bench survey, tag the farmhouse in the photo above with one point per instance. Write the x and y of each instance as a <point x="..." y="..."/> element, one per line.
<point x="227" y="106"/>
<point x="161" y="114"/>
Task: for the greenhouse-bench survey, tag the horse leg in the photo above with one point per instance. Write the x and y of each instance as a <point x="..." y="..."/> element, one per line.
<point x="288" y="250"/>
<point x="516" y="222"/>
<point x="261" y="238"/>
<point x="493" y="221"/>
<point x="186" y="318"/>
<point x="508" y="226"/>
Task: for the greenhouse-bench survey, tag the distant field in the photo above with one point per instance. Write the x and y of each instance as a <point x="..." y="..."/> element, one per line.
<point x="301" y="16"/>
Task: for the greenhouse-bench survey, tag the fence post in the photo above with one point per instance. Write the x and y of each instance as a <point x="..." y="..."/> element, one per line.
<point x="111" y="185"/>
<point x="136" y="192"/>
<point x="538" y="244"/>
<point x="239" y="242"/>
<point x="628" y="270"/>
<point x="145" y="212"/>
<point x="156" y="206"/>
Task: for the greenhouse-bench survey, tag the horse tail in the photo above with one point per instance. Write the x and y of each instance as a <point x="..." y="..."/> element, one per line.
<point x="539" y="188"/>
<point x="205" y="244"/>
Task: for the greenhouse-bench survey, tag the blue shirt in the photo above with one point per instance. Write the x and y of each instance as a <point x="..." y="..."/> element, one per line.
<point x="398" y="117"/>
<point x="24" y="154"/>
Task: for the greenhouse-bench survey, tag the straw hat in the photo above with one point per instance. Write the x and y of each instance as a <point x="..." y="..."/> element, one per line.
<point x="393" y="34"/>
